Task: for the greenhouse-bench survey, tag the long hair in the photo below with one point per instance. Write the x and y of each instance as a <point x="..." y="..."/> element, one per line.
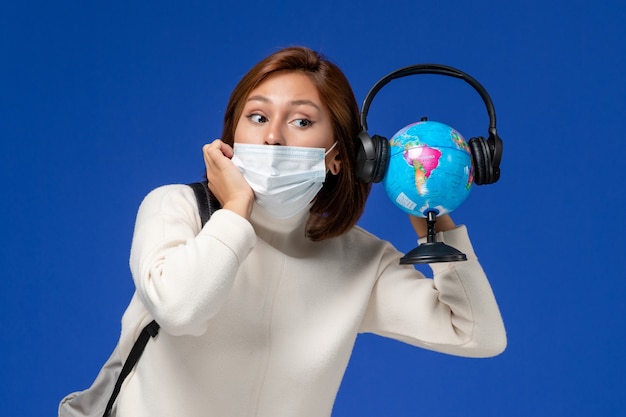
<point x="341" y="201"/>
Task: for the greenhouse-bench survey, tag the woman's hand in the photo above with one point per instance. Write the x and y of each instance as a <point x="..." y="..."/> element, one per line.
<point x="225" y="180"/>
<point x="443" y="223"/>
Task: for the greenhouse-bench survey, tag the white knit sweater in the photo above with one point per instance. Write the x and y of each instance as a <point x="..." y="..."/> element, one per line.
<point x="257" y="320"/>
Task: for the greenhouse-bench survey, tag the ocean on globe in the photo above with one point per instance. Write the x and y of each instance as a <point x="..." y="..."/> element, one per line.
<point x="430" y="169"/>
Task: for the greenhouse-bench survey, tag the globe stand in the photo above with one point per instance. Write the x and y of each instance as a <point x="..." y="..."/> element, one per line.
<point x="432" y="251"/>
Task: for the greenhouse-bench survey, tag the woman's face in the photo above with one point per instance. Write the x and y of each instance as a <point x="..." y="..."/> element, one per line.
<point x="285" y="109"/>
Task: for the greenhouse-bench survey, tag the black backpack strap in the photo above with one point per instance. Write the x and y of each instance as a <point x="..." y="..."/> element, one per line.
<point x="207" y="204"/>
<point x="151" y="330"/>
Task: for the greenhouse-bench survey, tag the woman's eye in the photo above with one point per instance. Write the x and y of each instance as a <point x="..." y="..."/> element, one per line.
<point x="302" y="122"/>
<point x="257" y="118"/>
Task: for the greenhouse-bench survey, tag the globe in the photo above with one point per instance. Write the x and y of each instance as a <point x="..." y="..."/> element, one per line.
<point x="430" y="169"/>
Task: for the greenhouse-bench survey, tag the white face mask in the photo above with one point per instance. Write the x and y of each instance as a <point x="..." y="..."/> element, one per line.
<point x="285" y="179"/>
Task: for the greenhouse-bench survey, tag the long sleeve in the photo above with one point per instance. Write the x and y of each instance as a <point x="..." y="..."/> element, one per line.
<point x="455" y="312"/>
<point x="183" y="274"/>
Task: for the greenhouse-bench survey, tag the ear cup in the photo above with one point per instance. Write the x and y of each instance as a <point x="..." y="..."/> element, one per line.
<point x="382" y="158"/>
<point x="482" y="161"/>
<point x="365" y="157"/>
<point x="372" y="157"/>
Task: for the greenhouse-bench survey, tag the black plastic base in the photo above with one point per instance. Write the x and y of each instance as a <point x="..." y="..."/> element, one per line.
<point x="427" y="253"/>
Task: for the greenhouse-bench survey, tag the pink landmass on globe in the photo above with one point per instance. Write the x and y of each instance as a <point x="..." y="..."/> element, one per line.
<point x="424" y="160"/>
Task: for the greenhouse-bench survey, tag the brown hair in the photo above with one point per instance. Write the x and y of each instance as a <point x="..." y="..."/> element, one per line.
<point x="340" y="203"/>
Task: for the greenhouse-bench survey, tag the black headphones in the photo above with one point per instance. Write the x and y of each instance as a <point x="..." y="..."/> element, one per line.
<point x="373" y="152"/>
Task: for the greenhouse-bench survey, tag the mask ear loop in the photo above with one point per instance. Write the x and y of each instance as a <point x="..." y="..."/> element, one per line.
<point x="334" y="170"/>
<point x="330" y="149"/>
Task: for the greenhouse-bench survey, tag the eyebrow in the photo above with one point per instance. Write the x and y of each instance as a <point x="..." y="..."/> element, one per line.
<point x="293" y="103"/>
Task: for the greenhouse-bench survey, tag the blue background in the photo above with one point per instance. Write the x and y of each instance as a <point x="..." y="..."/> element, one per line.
<point x="102" y="101"/>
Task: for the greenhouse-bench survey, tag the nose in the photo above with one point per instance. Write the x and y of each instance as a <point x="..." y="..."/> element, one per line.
<point x="274" y="134"/>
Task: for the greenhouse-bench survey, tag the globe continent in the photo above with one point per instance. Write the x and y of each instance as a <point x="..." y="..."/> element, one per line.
<point x="430" y="169"/>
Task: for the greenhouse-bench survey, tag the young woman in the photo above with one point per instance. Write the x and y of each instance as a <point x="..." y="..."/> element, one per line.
<point x="260" y="308"/>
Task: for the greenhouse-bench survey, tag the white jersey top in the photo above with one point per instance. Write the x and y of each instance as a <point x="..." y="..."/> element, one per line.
<point x="257" y="320"/>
